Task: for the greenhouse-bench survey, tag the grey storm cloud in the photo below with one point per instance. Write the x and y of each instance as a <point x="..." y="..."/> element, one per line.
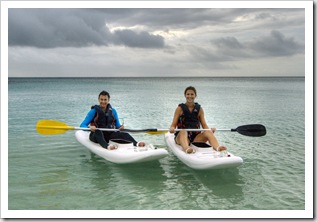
<point x="229" y="48"/>
<point x="165" y="17"/>
<point x="228" y="42"/>
<point x="274" y="44"/>
<point x="53" y="27"/>
<point x="141" y="40"/>
<point x="204" y="41"/>
<point x="47" y="28"/>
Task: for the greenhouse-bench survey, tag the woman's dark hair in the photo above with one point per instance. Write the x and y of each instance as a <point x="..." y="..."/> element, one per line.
<point x="190" y="88"/>
<point x="104" y="93"/>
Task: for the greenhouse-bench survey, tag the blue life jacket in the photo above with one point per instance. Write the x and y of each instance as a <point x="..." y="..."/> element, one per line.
<point x="103" y="119"/>
<point x="189" y="120"/>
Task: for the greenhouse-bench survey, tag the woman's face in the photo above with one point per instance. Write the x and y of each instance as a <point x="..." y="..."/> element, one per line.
<point x="103" y="100"/>
<point x="190" y="96"/>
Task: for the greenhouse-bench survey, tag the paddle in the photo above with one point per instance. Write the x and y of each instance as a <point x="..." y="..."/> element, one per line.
<point x="254" y="130"/>
<point x="51" y="127"/>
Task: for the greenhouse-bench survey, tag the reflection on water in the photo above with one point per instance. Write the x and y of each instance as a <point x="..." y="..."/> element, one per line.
<point x="128" y="186"/>
<point x="223" y="186"/>
<point x="164" y="184"/>
<point x="202" y="189"/>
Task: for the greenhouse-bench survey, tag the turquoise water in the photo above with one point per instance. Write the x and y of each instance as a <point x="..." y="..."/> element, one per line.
<point x="58" y="173"/>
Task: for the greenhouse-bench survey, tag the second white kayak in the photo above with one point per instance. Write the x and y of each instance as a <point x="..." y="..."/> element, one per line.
<point x="205" y="156"/>
<point x="125" y="153"/>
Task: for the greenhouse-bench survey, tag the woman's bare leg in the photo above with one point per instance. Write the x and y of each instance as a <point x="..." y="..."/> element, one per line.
<point x="210" y="137"/>
<point x="182" y="139"/>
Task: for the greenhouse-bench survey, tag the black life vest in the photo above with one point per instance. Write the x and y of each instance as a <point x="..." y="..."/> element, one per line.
<point x="189" y="120"/>
<point x="103" y="119"/>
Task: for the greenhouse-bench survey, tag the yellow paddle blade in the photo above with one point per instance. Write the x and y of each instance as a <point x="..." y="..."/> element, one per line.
<point x="51" y="127"/>
<point x="156" y="132"/>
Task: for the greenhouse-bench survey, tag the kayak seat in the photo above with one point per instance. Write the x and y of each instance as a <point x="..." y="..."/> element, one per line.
<point x="201" y="144"/>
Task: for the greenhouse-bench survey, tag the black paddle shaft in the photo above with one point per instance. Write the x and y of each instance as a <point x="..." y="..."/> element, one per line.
<point x="254" y="130"/>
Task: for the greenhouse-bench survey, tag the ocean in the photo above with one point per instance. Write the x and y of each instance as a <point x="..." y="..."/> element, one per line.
<point x="58" y="173"/>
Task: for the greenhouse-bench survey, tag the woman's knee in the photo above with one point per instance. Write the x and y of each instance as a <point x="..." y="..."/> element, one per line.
<point x="183" y="133"/>
<point x="208" y="133"/>
<point x="181" y="136"/>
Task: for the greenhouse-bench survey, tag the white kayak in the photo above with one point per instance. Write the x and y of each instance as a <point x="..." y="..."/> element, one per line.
<point x="205" y="156"/>
<point x="125" y="152"/>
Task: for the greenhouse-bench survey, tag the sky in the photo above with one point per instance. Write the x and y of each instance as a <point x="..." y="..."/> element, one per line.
<point x="158" y="42"/>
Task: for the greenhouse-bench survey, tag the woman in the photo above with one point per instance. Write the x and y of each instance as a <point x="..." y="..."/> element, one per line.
<point x="190" y="115"/>
<point x="104" y="116"/>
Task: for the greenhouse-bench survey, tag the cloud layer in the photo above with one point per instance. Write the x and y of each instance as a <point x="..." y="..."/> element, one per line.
<point x="47" y="28"/>
<point x="154" y="42"/>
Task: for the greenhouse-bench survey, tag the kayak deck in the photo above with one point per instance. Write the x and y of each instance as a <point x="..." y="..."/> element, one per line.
<point x="205" y="156"/>
<point x="125" y="153"/>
